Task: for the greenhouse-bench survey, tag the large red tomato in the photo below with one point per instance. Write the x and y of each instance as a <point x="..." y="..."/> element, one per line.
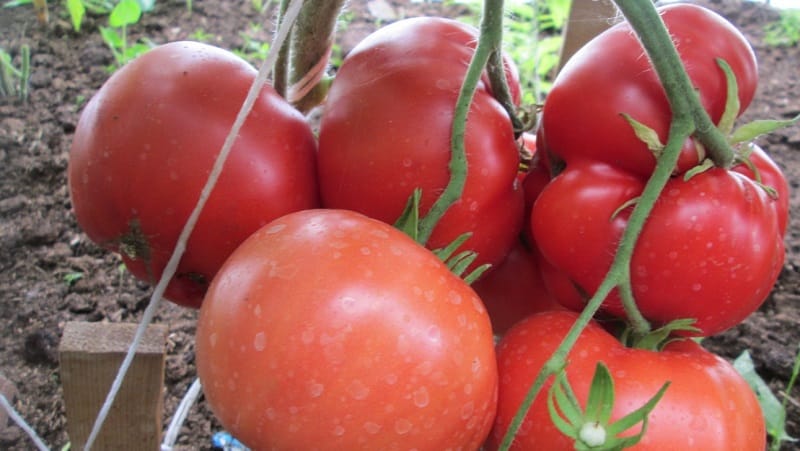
<point x="707" y="406"/>
<point x="144" y="147"/>
<point x="330" y="329"/>
<point x="386" y="131"/>
<point x="711" y="249"/>
<point x="611" y="75"/>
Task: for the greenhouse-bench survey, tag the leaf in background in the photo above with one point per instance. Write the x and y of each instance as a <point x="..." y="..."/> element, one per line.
<point x="774" y="413"/>
<point x="76" y="12"/>
<point x="127" y="12"/>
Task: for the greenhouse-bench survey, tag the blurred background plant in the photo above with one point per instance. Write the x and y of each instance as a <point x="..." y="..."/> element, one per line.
<point x="14" y="77"/>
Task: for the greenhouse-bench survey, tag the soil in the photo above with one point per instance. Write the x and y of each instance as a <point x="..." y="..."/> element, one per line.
<point x="50" y="273"/>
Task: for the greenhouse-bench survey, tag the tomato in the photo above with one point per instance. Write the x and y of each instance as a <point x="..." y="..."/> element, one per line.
<point x="144" y="147"/>
<point x="711" y="249"/>
<point x="514" y="289"/>
<point x="707" y="406"/>
<point x="330" y="329"/>
<point x="386" y="131"/>
<point x="611" y="75"/>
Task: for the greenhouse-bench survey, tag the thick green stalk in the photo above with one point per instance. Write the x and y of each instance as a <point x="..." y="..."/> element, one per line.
<point x="491" y="32"/>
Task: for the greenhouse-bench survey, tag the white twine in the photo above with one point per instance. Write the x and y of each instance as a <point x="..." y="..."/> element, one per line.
<point x="180" y="416"/>
<point x="22" y="424"/>
<point x="180" y="247"/>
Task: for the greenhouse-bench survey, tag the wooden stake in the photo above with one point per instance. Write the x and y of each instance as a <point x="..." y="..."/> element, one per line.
<point x="587" y="19"/>
<point x="90" y="355"/>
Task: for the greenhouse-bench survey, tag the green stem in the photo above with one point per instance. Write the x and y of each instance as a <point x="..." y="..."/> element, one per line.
<point x="280" y="73"/>
<point x="310" y="48"/>
<point x="683" y="98"/>
<point x="490" y="40"/>
<point x="501" y="91"/>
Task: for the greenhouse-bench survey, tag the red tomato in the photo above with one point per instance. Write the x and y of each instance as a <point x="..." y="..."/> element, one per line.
<point x="711" y="249"/>
<point x="386" y="131"/>
<point x="330" y="329"/>
<point x="514" y="289"/>
<point x="144" y="147"/>
<point x="708" y="405"/>
<point x="611" y="75"/>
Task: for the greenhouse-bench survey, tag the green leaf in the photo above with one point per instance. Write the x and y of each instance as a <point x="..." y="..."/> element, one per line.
<point x="751" y="130"/>
<point x="76" y="12"/>
<point x="732" y="104"/>
<point x="645" y="134"/>
<point x="111" y="37"/>
<point x="601" y="395"/>
<point x="127" y="12"/>
<point x="774" y="411"/>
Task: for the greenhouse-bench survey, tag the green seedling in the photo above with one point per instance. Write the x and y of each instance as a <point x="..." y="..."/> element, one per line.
<point x="785" y="31"/>
<point x="126" y="12"/>
<point x="14" y="80"/>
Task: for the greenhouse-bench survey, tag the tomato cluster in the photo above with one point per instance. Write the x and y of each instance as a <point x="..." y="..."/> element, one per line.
<point x="322" y="326"/>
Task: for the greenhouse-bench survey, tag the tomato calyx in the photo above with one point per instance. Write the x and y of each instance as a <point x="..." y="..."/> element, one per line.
<point x="592" y="428"/>
<point x="409" y="223"/>
<point x="657" y="339"/>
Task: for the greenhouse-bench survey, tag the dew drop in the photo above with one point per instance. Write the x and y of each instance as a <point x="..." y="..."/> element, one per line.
<point x="260" y="341"/>
<point x="402" y="426"/>
<point x="421" y="398"/>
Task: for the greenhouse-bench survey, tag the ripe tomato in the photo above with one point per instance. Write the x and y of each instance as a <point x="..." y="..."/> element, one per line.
<point x="708" y="405"/>
<point x="514" y="289"/>
<point x="330" y="329"/>
<point x="386" y="131"/>
<point x="144" y="147"/>
<point x="611" y="75"/>
<point x="711" y="249"/>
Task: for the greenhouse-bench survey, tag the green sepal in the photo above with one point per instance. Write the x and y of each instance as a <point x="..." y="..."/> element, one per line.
<point x="732" y="104"/>
<point x="476" y="273"/>
<point x="645" y="134"/>
<point x="774" y="412"/>
<point x="565" y="412"/>
<point x="751" y="130"/>
<point x="459" y="262"/>
<point x="658" y="338"/>
<point x="408" y="222"/>
<point x="446" y="253"/>
<point x="699" y="169"/>
<point x="640" y="415"/>
<point x="601" y="396"/>
<point x="570" y="420"/>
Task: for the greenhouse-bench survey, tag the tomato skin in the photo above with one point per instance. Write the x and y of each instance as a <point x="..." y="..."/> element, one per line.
<point x="386" y="130"/>
<point x="146" y="142"/>
<point x="708" y="405"/>
<point x="330" y="329"/>
<point x="514" y="289"/>
<point x="688" y="262"/>
<point x="610" y="76"/>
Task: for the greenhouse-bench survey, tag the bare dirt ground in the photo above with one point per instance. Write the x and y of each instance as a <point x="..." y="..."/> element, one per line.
<point x="41" y="245"/>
